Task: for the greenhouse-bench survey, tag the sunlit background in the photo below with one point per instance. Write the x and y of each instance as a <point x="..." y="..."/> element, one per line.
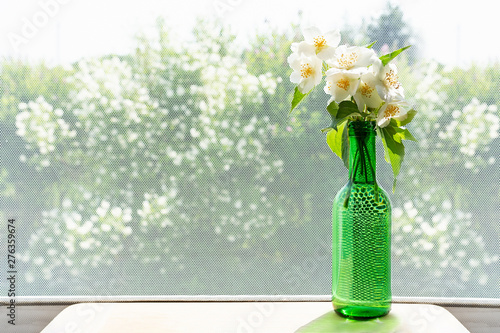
<point x="453" y="33"/>
<point x="146" y="147"/>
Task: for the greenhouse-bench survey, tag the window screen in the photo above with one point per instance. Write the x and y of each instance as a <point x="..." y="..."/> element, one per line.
<point x="147" y="149"/>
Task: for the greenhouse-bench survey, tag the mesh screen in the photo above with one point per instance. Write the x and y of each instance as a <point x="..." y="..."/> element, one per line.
<point x="167" y="164"/>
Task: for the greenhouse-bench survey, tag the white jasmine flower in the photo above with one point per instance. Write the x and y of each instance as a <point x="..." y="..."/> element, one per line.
<point x="317" y="43"/>
<point x="389" y="87"/>
<point x="341" y="84"/>
<point x="394" y="109"/>
<point x="307" y="71"/>
<point x="352" y="58"/>
<point x="366" y="94"/>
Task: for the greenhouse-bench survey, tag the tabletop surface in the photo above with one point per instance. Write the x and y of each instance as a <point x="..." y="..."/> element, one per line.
<point x="245" y="317"/>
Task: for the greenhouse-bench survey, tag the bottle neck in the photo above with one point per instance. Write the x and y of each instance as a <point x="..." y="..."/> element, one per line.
<point x="362" y="167"/>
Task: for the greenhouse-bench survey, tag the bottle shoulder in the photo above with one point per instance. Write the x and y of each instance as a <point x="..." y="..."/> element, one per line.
<point x="361" y="191"/>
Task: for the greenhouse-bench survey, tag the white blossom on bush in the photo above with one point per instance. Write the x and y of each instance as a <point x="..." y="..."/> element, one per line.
<point x="473" y="127"/>
<point x="177" y="143"/>
<point x="76" y="237"/>
<point x="39" y="123"/>
<point x="446" y="233"/>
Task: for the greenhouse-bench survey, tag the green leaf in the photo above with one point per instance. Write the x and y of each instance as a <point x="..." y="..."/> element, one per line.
<point x="340" y="112"/>
<point x="332" y="109"/>
<point x="408" y="119"/>
<point x="388" y="57"/>
<point x="345" y="145"/>
<point x="297" y="98"/>
<point x="405" y="134"/>
<point x="338" y="142"/>
<point x="394" y="150"/>
<point x="369" y="46"/>
<point x="346" y="108"/>
<point x="334" y="140"/>
<point x="399" y="133"/>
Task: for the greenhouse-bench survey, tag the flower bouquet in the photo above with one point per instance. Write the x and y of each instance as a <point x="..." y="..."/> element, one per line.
<point x="362" y="86"/>
<point x="366" y="100"/>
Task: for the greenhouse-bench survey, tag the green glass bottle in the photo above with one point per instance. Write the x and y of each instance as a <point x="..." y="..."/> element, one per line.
<point x="361" y="265"/>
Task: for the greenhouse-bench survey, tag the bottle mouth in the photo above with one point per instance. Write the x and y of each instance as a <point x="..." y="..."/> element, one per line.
<point x="359" y="126"/>
<point x="362" y="123"/>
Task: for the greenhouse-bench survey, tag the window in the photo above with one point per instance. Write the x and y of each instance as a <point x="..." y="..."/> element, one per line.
<point x="156" y="157"/>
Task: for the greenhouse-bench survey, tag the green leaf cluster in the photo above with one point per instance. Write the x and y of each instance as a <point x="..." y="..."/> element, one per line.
<point x="392" y="136"/>
<point x="337" y="134"/>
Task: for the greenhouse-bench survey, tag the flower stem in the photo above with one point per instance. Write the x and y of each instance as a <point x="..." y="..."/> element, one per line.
<point x="352" y="173"/>
<point x="375" y="184"/>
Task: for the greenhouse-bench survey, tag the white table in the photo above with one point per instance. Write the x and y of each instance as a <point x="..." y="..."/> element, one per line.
<point x="245" y="317"/>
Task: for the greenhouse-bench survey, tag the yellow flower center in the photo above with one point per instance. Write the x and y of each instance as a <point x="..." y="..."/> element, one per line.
<point x="391" y="111"/>
<point x="343" y="84"/>
<point x="319" y="43"/>
<point x="366" y="90"/>
<point x="348" y="60"/>
<point x="306" y="70"/>
<point x="392" y="80"/>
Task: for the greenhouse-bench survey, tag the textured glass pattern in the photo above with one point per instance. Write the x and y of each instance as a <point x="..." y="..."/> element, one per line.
<point x="158" y="157"/>
<point x="361" y="234"/>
